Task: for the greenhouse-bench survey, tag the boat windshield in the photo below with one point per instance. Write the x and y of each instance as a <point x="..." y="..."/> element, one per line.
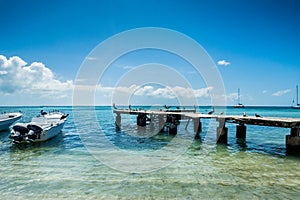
<point x="39" y="120"/>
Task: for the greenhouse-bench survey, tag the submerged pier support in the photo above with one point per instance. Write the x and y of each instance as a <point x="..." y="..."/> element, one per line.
<point x="222" y="132"/>
<point x="161" y="122"/>
<point x="241" y="131"/>
<point x="171" y="124"/>
<point x="118" y="121"/>
<point x="152" y="117"/>
<point x="141" y="119"/>
<point x="197" y="127"/>
<point x="172" y="129"/>
<point x="293" y="142"/>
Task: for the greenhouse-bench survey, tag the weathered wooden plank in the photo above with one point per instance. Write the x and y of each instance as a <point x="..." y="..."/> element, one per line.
<point x="252" y="120"/>
<point x="266" y="121"/>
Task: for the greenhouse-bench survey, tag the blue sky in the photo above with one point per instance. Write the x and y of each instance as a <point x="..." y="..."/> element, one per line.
<point x="259" y="38"/>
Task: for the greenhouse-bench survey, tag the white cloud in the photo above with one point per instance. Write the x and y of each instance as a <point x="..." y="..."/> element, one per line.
<point x="90" y="58"/>
<point x="122" y="89"/>
<point x="23" y="83"/>
<point x="144" y="91"/>
<point x="124" y="66"/>
<point x="281" y="92"/>
<point x="166" y="93"/>
<point x="18" y="77"/>
<point x="232" y="96"/>
<point x="191" y="72"/>
<point x="161" y="92"/>
<point x="144" y="94"/>
<point x="127" y="67"/>
<point x="223" y="63"/>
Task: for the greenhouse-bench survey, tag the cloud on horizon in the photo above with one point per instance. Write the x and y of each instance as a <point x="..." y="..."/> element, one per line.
<point x="173" y="92"/>
<point x="223" y="63"/>
<point x="19" y="77"/>
<point x="23" y="83"/>
<point x="159" y="92"/>
<point x="281" y="92"/>
<point x="145" y="94"/>
<point x="232" y="96"/>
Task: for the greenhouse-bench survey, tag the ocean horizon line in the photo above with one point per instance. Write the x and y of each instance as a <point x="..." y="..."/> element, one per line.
<point x="132" y="105"/>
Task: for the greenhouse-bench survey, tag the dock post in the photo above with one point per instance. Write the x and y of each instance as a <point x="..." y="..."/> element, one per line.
<point x="172" y="129"/>
<point x="161" y="122"/>
<point x="293" y="142"/>
<point x="241" y="131"/>
<point x="187" y="124"/>
<point x="222" y="132"/>
<point x="118" y="121"/>
<point x="151" y="121"/>
<point x="241" y="134"/>
<point x="197" y="127"/>
<point x="141" y="119"/>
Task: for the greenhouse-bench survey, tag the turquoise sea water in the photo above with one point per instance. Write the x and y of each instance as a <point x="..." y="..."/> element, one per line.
<point x="156" y="167"/>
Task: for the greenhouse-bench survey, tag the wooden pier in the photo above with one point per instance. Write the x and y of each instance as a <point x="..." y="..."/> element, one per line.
<point x="171" y="117"/>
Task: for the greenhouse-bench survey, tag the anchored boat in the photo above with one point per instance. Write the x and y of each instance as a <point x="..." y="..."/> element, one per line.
<point x="239" y="104"/>
<point x="41" y="128"/>
<point x="7" y="119"/>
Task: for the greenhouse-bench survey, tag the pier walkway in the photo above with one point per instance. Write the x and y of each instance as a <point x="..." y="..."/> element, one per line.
<point x="171" y="117"/>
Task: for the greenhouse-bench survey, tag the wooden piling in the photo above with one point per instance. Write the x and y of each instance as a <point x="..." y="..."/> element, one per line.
<point x="187" y="124"/>
<point x="161" y="122"/>
<point x="141" y="119"/>
<point x="222" y="132"/>
<point x="151" y="121"/>
<point x="293" y="142"/>
<point x="118" y="121"/>
<point x="197" y="127"/>
<point x="240" y="131"/>
<point x="172" y="129"/>
<point x="295" y="132"/>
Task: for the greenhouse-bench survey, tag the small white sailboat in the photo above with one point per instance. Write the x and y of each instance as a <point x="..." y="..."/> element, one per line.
<point x="41" y="128"/>
<point x="296" y="105"/>
<point x="7" y="119"/>
<point x="239" y="104"/>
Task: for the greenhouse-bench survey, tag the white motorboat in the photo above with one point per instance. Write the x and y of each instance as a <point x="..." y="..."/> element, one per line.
<point x="7" y="119"/>
<point x="41" y="128"/>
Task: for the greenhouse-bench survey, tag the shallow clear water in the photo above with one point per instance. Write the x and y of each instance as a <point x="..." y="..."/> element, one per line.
<point x="65" y="168"/>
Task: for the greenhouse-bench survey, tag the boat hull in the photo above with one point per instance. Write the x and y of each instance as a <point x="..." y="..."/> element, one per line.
<point x="5" y="123"/>
<point x="47" y="134"/>
<point x="239" y="106"/>
<point x="296" y="107"/>
<point x="41" y="128"/>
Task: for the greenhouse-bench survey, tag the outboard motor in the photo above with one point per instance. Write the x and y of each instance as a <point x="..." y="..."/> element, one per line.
<point x="18" y="133"/>
<point x="34" y="132"/>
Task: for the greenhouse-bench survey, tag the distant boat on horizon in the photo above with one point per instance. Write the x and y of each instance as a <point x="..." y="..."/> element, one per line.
<point x="239" y="104"/>
<point x="296" y="105"/>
